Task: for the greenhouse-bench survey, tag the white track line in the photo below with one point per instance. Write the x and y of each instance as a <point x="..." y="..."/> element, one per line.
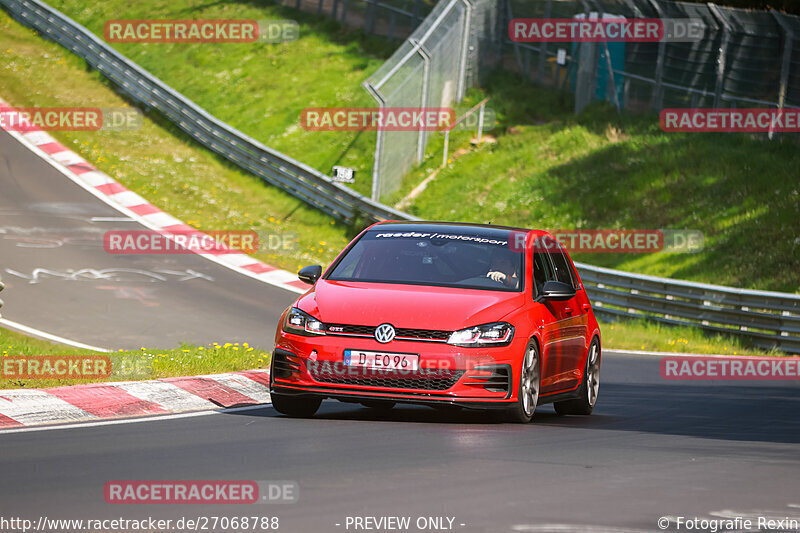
<point x="154" y="418"/>
<point x="49" y="336"/>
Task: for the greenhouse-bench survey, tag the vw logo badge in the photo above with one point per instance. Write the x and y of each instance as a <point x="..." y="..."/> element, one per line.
<point x="384" y="333"/>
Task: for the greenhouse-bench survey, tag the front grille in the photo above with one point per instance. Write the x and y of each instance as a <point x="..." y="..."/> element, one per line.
<point x="400" y="333"/>
<point x="349" y="329"/>
<point x="424" y="379"/>
<point x="430" y="334"/>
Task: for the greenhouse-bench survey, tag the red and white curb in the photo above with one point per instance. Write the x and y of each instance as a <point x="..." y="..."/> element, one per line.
<point x="134" y="206"/>
<point x="102" y="401"/>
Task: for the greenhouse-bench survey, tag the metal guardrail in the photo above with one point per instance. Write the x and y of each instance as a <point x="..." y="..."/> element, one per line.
<point x="767" y="319"/>
<point x="298" y="179"/>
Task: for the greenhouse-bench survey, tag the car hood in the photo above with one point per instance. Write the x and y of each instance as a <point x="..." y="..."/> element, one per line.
<point x="407" y="306"/>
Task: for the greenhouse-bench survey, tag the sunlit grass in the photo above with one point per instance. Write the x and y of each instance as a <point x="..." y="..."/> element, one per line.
<point x="188" y="360"/>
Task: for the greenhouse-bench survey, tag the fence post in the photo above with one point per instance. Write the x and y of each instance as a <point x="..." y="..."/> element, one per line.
<point x="586" y="79"/>
<point x="462" y="71"/>
<point x="446" y="147"/>
<point x="657" y="101"/>
<point x="369" y="17"/>
<point x="344" y="12"/>
<point x="788" y="44"/>
<point x="611" y="76"/>
<point x="319" y="7"/>
<point x="502" y="32"/>
<point x="297" y="4"/>
<point x="723" y="52"/>
<point x="480" y="121"/>
<point x="376" y="164"/>
<point x="426" y="81"/>
<point x="548" y="10"/>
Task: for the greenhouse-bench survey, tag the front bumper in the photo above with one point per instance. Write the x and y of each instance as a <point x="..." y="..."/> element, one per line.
<point x="469" y="377"/>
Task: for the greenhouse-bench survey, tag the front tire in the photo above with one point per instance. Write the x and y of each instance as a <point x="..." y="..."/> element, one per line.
<point x="528" y="387"/>
<point x="296" y="406"/>
<point x="589" y="389"/>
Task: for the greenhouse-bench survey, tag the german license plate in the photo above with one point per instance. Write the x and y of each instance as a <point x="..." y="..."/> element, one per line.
<point x="381" y="360"/>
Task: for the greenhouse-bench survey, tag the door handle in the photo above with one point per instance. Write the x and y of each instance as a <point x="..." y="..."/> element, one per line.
<point x="568" y="310"/>
<point x="587" y="308"/>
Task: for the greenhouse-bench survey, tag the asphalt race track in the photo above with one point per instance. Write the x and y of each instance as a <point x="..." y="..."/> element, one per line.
<point x="653" y="448"/>
<point x="59" y="279"/>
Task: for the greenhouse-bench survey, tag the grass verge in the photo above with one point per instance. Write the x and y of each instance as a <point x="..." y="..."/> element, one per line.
<point x="261" y="88"/>
<point x="158" y="161"/>
<point x="188" y="360"/>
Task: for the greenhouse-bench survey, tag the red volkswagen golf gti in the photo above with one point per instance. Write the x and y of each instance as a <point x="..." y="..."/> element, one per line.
<point x="482" y="317"/>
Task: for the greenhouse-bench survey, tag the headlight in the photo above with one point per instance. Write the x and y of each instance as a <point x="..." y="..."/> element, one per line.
<point x="494" y="334"/>
<point x="302" y="323"/>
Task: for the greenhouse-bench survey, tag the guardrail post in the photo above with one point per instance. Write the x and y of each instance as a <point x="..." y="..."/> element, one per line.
<point x="723" y="52"/>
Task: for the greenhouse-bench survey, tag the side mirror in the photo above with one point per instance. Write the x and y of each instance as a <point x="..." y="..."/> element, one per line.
<point x="310" y="274"/>
<point x="557" y="290"/>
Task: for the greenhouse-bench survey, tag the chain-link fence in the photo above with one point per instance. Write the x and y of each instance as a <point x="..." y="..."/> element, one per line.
<point x="746" y="58"/>
<point x="431" y="69"/>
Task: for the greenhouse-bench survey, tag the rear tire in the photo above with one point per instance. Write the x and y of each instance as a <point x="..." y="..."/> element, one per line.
<point x="528" y="388"/>
<point x="589" y="389"/>
<point x="296" y="406"/>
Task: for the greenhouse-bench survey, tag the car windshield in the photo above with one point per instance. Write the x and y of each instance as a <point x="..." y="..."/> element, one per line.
<point x="447" y="258"/>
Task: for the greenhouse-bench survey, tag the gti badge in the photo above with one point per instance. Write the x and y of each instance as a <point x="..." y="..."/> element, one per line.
<point x="384" y="333"/>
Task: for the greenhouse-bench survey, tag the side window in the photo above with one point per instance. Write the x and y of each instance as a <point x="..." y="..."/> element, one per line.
<point x="542" y="272"/>
<point x="563" y="272"/>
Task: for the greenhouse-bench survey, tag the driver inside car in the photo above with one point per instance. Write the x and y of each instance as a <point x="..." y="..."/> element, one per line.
<point x="502" y="270"/>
